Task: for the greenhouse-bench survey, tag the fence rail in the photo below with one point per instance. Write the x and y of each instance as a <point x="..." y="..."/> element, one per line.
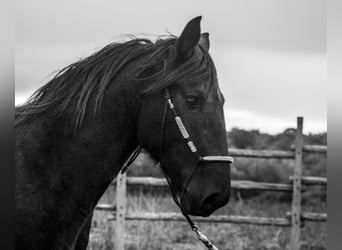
<point x="238" y="219"/>
<point x="307" y="216"/>
<point x="323" y="217"/>
<point x="315" y="149"/>
<point x="251" y="153"/>
<point x="294" y="219"/>
<point x="235" y="184"/>
<point x="313" y="180"/>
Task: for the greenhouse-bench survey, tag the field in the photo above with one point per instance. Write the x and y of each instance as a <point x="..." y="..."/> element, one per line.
<point x="177" y="235"/>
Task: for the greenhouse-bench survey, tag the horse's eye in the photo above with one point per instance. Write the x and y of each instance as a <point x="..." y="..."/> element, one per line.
<point x="192" y="101"/>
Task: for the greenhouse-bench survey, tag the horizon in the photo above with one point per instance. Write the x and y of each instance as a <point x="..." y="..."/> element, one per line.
<point x="239" y="119"/>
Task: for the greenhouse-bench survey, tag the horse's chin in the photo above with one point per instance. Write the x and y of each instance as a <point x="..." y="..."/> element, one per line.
<point x="191" y="209"/>
<point x="202" y="214"/>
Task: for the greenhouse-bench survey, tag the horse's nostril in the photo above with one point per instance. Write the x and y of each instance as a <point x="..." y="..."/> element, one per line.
<point x="210" y="201"/>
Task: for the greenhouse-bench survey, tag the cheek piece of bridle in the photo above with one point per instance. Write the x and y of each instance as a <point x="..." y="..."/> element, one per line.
<point x="198" y="157"/>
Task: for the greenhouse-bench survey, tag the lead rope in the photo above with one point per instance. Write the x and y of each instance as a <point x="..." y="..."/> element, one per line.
<point x="200" y="236"/>
<point x="131" y="159"/>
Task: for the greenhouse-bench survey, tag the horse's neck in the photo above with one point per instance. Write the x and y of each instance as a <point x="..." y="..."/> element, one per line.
<point x="72" y="173"/>
<point x="97" y="152"/>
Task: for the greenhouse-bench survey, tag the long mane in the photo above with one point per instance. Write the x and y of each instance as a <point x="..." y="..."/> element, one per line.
<point x="90" y="77"/>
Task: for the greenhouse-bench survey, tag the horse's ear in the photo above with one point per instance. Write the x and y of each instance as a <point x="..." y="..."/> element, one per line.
<point x="188" y="39"/>
<point x="204" y="41"/>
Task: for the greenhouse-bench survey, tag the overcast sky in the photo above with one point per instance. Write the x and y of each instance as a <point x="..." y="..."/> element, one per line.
<point x="270" y="55"/>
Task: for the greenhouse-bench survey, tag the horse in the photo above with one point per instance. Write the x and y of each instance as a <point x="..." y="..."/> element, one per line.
<point x="75" y="133"/>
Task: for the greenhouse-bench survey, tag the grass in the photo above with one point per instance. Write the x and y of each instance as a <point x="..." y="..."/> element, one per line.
<point x="145" y="235"/>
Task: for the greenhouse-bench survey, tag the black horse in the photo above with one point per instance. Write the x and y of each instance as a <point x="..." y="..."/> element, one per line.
<point x="75" y="133"/>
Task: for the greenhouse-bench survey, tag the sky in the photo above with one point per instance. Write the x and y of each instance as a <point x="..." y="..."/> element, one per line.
<point x="270" y="55"/>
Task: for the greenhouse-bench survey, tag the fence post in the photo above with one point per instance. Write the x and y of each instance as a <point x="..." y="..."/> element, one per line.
<point x="297" y="188"/>
<point x="120" y="212"/>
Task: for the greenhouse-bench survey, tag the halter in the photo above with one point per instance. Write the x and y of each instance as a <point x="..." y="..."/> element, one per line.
<point x="199" y="158"/>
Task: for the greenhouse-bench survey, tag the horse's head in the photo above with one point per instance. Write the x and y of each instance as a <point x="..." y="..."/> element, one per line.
<point x="189" y="84"/>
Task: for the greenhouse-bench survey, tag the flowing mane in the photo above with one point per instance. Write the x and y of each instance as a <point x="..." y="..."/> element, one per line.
<point x="91" y="76"/>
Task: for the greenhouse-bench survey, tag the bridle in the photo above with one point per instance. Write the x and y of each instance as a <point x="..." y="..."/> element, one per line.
<point x="199" y="158"/>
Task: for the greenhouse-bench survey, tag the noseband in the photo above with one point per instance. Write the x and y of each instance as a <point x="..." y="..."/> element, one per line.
<point x="199" y="158"/>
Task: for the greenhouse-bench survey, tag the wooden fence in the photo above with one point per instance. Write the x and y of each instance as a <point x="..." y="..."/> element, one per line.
<point x="294" y="219"/>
